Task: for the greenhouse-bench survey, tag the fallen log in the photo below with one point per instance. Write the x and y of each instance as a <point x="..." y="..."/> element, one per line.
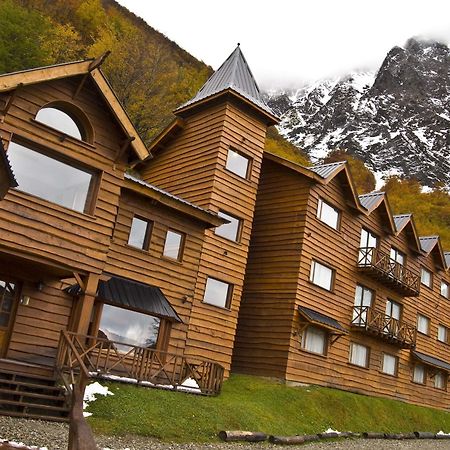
<point x="370" y="435"/>
<point x="247" y="436"/>
<point x="394" y="436"/>
<point x="330" y="435"/>
<point x="442" y="436"/>
<point x="292" y="440"/>
<point x="424" y="435"/>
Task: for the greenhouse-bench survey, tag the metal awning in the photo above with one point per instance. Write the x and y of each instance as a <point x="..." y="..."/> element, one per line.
<point x="133" y="295"/>
<point x="321" y="320"/>
<point x="431" y="361"/>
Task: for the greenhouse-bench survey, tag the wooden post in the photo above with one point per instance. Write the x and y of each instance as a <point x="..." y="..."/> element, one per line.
<point x="86" y="304"/>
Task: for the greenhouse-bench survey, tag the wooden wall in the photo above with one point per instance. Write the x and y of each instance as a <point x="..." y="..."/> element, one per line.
<point x="193" y="167"/>
<point x="338" y="249"/>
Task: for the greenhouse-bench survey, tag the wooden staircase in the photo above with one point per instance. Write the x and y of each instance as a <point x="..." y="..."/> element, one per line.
<point x="31" y="395"/>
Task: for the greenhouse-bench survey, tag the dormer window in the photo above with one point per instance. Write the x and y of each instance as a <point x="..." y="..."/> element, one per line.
<point x="328" y="214"/>
<point x="59" y="118"/>
<point x="238" y="164"/>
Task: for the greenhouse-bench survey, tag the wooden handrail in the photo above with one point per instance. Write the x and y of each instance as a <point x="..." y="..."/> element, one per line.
<point x="94" y="356"/>
<point x="365" y="317"/>
<point x="392" y="271"/>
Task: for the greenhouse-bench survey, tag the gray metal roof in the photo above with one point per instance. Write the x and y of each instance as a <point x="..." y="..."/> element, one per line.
<point x="447" y="259"/>
<point x="371" y="200"/>
<point x="325" y="170"/>
<point x="427" y="243"/>
<point x="432" y="361"/>
<point x="315" y="316"/>
<point x="401" y="220"/>
<point x="167" y="194"/>
<point x="233" y="74"/>
<point x="133" y="295"/>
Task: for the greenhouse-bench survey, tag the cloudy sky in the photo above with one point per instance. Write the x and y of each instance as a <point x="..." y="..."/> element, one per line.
<point x="288" y="42"/>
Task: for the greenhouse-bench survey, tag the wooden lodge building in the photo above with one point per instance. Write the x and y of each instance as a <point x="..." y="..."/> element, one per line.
<point x="210" y="255"/>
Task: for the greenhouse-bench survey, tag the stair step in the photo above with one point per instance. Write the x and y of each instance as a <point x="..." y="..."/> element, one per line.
<point x="33" y="405"/>
<point x="31" y="385"/>
<point x="23" y="374"/>
<point x="33" y="416"/>
<point x="21" y="393"/>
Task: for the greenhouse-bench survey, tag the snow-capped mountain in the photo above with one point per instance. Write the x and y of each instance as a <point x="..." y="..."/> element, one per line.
<point x="397" y="120"/>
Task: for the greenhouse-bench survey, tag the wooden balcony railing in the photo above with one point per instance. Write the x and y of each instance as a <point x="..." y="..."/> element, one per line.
<point x="93" y="357"/>
<point x="380" y="265"/>
<point x="387" y="328"/>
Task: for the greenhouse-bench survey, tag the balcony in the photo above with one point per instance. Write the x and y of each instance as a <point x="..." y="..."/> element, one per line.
<point x="391" y="330"/>
<point x="380" y="266"/>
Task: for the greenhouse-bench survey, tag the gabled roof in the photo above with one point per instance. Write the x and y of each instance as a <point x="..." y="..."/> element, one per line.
<point x="173" y="202"/>
<point x="7" y="179"/>
<point x="90" y="67"/>
<point x="372" y="201"/>
<point x="433" y="244"/>
<point x="447" y="259"/>
<point x="327" y="171"/>
<point x="402" y="223"/>
<point x="233" y="76"/>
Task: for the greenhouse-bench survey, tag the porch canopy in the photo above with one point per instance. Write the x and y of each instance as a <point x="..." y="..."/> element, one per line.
<point x="321" y="320"/>
<point x="132" y="295"/>
<point x="431" y="361"/>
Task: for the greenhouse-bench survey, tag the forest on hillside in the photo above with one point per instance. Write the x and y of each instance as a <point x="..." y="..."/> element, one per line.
<point x="153" y="75"/>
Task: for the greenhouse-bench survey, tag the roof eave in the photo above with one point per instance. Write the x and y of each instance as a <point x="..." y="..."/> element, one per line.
<point x="209" y="219"/>
<point x="271" y="119"/>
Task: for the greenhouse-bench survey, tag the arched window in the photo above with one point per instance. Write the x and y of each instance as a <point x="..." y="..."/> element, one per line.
<point x="54" y="116"/>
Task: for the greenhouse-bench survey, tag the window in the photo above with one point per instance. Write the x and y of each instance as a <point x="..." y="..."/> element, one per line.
<point x="445" y="289"/>
<point x="173" y="247"/>
<point x="230" y="230"/>
<point x="128" y="327"/>
<point x="367" y="243"/>
<point x="218" y="293"/>
<point x="8" y="295"/>
<point x="359" y="354"/>
<point x="50" y="179"/>
<point x="425" y="277"/>
<point x="363" y="301"/>
<point x="439" y="380"/>
<point x="140" y="233"/>
<point x="423" y="324"/>
<point x="397" y="256"/>
<point x="315" y="340"/>
<point x="442" y="334"/>
<point x="419" y="374"/>
<point x="61" y="121"/>
<point x="390" y="363"/>
<point x="393" y="310"/>
<point x="238" y="164"/>
<point x="321" y="275"/>
<point x="328" y="214"/>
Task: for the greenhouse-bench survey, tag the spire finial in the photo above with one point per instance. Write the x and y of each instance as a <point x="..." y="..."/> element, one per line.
<point x="239" y="44"/>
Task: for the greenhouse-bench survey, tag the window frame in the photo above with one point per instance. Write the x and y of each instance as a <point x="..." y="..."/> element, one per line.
<point x="229" y="296"/>
<point x="444" y="282"/>
<point x="397" y="252"/>
<point x="383" y="355"/>
<point x="243" y="155"/>
<point x="326" y="341"/>
<point x="360" y="303"/>
<point x="239" y="227"/>
<point x="350" y="354"/>
<point x="319" y="213"/>
<point x="392" y="303"/>
<point x="147" y="236"/>
<point x="439" y="327"/>
<point x="424" y="382"/>
<point x="427" y="321"/>
<point x="180" y="254"/>
<point x="444" y="380"/>
<point x="94" y="184"/>
<point x="312" y="272"/>
<point x="430" y="273"/>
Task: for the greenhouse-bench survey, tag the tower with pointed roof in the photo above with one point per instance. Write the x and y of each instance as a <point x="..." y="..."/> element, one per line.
<point x="211" y="155"/>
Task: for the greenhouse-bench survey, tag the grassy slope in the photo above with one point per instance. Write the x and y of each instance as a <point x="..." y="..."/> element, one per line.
<point x="252" y="403"/>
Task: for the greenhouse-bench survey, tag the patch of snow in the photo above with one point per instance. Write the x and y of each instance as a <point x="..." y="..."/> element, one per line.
<point x="189" y="385"/>
<point x="444" y="116"/>
<point x="362" y="80"/>
<point x="420" y="133"/>
<point x="426" y="189"/>
<point x="441" y="433"/>
<point x="21" y="445"/>
<point x="90" y="393"/>
<point x="330" y="430"/>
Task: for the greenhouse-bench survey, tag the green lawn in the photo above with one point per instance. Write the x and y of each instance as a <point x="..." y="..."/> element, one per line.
<point x="256" y="404"/>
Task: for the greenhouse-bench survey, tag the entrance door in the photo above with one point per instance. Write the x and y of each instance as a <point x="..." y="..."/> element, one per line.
<point x="8" y="300"/>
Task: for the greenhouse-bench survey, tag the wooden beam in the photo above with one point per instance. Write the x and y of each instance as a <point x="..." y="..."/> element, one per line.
<point x="80" y="86"/>
<point x="99" y="61"/>
<point x="80" y="281"/>
<point x="123" y="148"/>
<point x="10" y="101"/>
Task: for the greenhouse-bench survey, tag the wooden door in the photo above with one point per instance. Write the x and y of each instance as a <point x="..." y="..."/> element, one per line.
<point x="8" y="303"/>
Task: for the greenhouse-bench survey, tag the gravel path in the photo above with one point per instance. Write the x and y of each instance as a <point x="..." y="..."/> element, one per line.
<point x="54" y="436"/>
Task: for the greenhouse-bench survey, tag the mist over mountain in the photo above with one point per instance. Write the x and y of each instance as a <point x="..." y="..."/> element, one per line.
<point x="396" y="120"/>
